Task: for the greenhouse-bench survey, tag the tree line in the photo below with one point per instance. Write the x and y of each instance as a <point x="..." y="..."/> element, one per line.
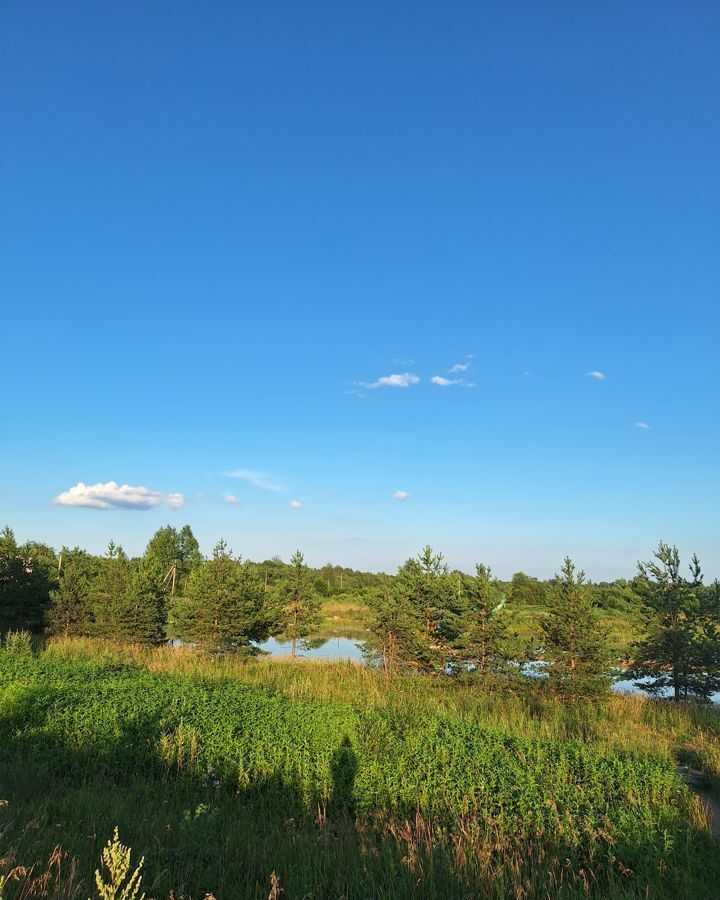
<point x="425" y="618"/>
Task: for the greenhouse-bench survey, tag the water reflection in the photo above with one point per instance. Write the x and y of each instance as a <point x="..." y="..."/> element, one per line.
<point x="332" y="648"/>
<point x="341" y="647"/>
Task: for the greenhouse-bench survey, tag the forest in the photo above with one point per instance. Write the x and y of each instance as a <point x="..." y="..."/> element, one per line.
<point x="662" y="627"/>
<point x="479" y="752"/>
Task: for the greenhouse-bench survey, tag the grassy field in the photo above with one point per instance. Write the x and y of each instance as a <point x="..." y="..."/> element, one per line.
<point x="336" y="782"/>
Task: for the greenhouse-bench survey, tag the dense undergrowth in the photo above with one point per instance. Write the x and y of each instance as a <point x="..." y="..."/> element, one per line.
<point x="341" y="782"/>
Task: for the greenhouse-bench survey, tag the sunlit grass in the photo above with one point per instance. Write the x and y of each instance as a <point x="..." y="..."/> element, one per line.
<point x="343" y="782"/>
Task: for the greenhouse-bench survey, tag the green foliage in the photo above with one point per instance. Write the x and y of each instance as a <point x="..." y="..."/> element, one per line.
<point x="301" y="604"/>
<point x="424" y="583"/>
<point x="71" y="610"/>
<point x="183" y="761"/>
<point x="26" y="579"/>
<point x="226" y="606"/>
<point x="142" y="612"/>
<point x="484" y="633"/>
<point x="682" y="648"/>
<point x="18" y="643"/>
<point x="176" y="553"/>
<point x="575" y="646"/>
<point x="396" y="639"/>
<point x="108" y="592"/>
<point x="527" y="591"/>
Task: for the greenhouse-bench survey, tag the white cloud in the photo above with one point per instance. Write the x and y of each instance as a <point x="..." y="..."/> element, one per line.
<point x="401" y="495"/>
<point x="395" y="381"/>
<point x="103" y="496"/>
<point x="643" y="425"/>
<point x="230" y="498"/>
<point x="255" y="479"/>
<point x="600" y="376"/>
<point x="460" y="367"/>
<point x="448" y="382"/>
<point x="296" y="504"/>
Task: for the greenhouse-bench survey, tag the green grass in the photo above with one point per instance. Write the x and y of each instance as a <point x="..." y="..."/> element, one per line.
<point x="342" y="783"/>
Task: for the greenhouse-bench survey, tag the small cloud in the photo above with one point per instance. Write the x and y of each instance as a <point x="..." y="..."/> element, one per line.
<point x="643" y="425"/>
<point x="448" y="382"/>
<point x="296" y="504"/>
<point x="402" y="361"/>
<point x="460" y="367"/>
<point x="401" y="495"/>
<point x="358" y="394"/>
<point x="395" y="381"/>
<point x="125" y="496"/>
<point x="599" y="376"/>
<point x="230" y="498"/>
<point x="255" y="479"/>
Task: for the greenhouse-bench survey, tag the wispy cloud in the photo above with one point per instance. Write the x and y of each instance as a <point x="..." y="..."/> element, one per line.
<point x="394" y="381"/>
<point x="460" y="367"/>
<point x="255" y="479"/>
<point x="449" y="382"/>
<point x="231" y="498"/>
<point x="643" y="425"/>
<point x="401" y="495"/>
<point x="598" y="376"/>
<point x="296" y="504"/>
<point x="111" y="494"/>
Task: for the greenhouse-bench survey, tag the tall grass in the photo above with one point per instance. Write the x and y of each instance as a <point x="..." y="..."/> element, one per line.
<point x="343" y="783"/>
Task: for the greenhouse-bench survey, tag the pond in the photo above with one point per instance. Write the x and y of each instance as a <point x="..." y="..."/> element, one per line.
<point x="331" y="648"/>
<point x="337" y="648"/>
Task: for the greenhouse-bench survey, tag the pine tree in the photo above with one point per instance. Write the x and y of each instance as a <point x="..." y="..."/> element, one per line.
<point x="485" y="634"/>
<point x="108" y="592"/>
<point x="396" y="638"/>
<point x="425" y="583"/>
<point x="25" y="584"/>
<point x="226" y="607"/>
<point x="575" y="646"/>
<point x="300" y="601"/>
<point x="71" y="611"/>
<point x="142" y="615"/>
<point x="682" y="617"/>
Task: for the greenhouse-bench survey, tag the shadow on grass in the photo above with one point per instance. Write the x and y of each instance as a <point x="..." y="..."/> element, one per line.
<point x="201" y="832"/>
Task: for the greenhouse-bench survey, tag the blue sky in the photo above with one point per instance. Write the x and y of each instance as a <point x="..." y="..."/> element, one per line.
<point x="219" y="223"/>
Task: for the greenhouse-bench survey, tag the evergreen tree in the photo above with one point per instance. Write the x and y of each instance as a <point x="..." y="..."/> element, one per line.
<point x="142" y="615"/>
<point x="682" y="649"/>
<point x="108" y="592"/>
<point x="425" y="583"/>
<point x="71" y="611"/>
<point x="575" y="646"/>
<point x="25" y="584"/>
<point x="226" y="606"/>
<point x="300" y="601"/>
<point x="485" y="634"/>
<point x="396" y="638"/>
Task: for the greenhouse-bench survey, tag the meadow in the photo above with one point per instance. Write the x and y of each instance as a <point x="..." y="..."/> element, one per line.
<point x="247" y="778"/>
